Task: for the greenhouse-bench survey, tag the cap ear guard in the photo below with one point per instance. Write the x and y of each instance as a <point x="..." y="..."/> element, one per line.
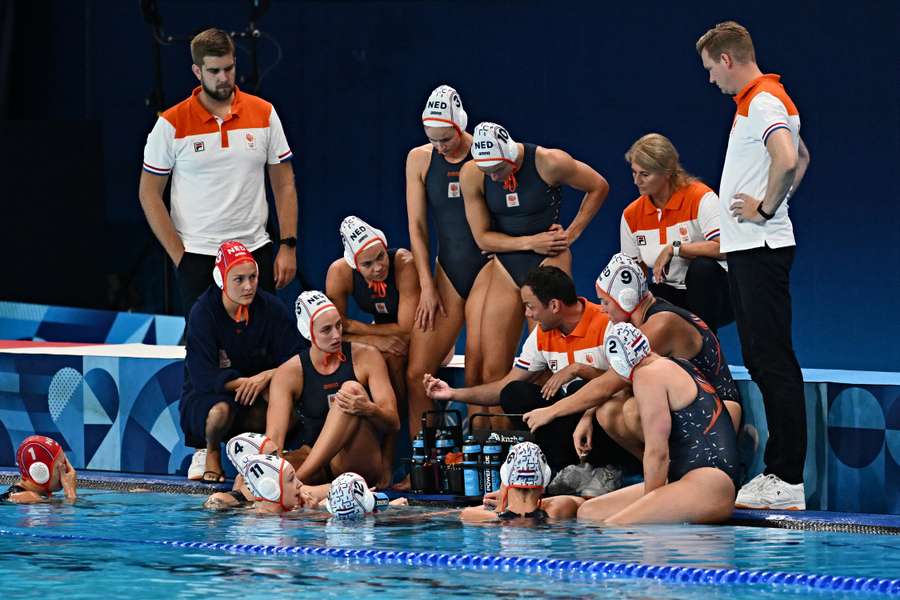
<point x="39" y="473"/>
<point x="262" y="472"/>
<point x="217" y="274"/>
<point x="623" y="282"/>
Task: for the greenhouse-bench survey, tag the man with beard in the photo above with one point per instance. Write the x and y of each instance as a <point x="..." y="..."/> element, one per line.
<point x="216" y="145"/>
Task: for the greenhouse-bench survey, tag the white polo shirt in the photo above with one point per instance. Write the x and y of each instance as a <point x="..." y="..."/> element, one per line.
<point x="690" y="215"/>
<point x="218" y="169"/>
<point x="762" y="108"/>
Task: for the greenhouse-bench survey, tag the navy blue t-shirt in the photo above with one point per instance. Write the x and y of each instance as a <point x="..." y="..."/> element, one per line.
<point x="220" y="350"/>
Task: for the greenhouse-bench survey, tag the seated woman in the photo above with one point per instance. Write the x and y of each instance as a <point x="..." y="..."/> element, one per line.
<point x="690" y="449"/>
<point x="385" y="284"/>
<point x="43" y="469"/>
<point x="237" y="335"/>
<point x="673" y="227"/>
<point x="524" y="476"/>
<point x="512" y="193"/>
<point x="342" y="394"/>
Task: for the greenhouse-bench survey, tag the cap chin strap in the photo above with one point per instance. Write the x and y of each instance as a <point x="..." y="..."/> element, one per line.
<point x="242" y="314"/>
<point x="379" y="288"/>
<point x="330" y="357"/>
<point x="510" y="184"/>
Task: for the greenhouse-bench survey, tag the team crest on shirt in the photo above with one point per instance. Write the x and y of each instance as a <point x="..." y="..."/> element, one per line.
<point x="251" y="140"/>
<point x="381" y="308"/>
<point x="512" y="200"/>
<point x="199" y="146"/>
<point x="642" y="240"/>
<point x="453" y="189"/>
<point x="589" y="358"/>
<point x="224" y="361"/>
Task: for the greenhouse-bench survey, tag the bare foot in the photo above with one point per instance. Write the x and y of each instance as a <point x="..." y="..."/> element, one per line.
<point x="402" y="486"/>
<point x="214" y="472"/>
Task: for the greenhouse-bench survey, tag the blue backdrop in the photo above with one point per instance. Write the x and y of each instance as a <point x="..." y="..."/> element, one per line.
<point x="586" y="77"/>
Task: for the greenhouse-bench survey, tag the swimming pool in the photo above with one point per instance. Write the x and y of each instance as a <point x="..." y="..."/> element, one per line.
<point x="125" y="559"/>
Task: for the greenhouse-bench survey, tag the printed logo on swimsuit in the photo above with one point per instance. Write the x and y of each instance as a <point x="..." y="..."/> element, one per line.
<point x="381" y="307"/>
<point x="512" y="200"/>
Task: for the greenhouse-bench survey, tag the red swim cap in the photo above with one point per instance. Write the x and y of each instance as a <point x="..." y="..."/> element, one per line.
<point x="35" y="458"/>
<point x="230" y="254"/>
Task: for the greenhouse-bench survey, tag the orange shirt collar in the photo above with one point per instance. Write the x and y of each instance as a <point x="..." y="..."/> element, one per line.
<point x="747" y="90"/>
<point x="205" y="115"/>
<point x="674" y="203"/>
<point x="587" y="315"/>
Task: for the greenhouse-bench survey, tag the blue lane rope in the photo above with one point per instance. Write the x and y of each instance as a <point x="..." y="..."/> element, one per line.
<point x="591" y="568"/>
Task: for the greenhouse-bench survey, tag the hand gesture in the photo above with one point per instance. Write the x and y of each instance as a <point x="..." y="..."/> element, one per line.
<point x="429" y="304"/>
<point x="661" y="266"/>
<point x="551" y="242"/>
<point x="584" y="431"/>
<point x="538" y="417"/>
<point x="353" y="399"/>
<point x="559" y="379"/>
<point x="389" y="344"/>
<point x="250" y="388"/>
<point x="67" y="477"/>
<point x="491" y="499"/>
<point x="744" y="208"/>
<point x="436" y="389"/>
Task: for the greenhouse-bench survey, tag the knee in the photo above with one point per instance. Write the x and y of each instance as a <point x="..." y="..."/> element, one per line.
<point x="219" y="414"/>
<point x="590" y="511"/>
<point x="513" y="397"/>
<point x="353" y="387"/>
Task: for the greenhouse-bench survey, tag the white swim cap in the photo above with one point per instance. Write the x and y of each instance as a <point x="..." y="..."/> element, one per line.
<point x="445" y="109"/>
<point x="309" y="305"/>
<point x="245" y="444"/>
<point x="525" y="467"/>
<point x="626" y="346"/>
<point x="623" y="282"/>
<point x="493" y="145"/>
<point x="349" y="496"/>
<point x="264" y="475"/>
<point x="358" y="235"/>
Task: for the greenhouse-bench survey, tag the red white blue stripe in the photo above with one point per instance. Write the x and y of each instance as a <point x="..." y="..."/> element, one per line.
<point x="773" y="127"/>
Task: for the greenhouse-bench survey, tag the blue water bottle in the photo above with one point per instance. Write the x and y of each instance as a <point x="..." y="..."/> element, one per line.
<point x="491" y="461"/>
<point x="472" y="475"/>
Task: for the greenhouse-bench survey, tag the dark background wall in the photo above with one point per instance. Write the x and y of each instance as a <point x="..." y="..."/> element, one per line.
<point x="586" y="77"/>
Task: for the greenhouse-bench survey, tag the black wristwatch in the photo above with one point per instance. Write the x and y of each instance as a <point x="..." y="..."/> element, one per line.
<point x="290" y="242"/>
<point x="763" y="213"/>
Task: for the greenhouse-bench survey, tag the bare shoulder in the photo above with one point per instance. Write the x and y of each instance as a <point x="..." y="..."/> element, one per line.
<point x="471" y="171"/>
<point x="419" y="159"/>
<point x="289" y="372"/>
<point x="339" y="273"/>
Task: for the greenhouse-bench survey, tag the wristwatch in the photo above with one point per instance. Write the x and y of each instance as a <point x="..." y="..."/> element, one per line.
<point x="676" y="248"/>
<point x="290" y="242"/>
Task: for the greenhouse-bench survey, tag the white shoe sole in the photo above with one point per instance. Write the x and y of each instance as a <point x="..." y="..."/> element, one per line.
<point x="771" y="506"/>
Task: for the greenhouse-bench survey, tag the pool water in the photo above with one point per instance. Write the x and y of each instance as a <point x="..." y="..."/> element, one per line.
<point x="36" y="567"/>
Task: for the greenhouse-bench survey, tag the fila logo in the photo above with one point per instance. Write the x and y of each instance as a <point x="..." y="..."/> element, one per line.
<point x="641" y="240"/>
<point x="553" y="365"/>
<point x="199" y="146"/>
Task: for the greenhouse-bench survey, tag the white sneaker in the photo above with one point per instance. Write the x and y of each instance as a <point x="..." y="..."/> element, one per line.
<point x="772" y="493"/>
<point x="198" y="465"/>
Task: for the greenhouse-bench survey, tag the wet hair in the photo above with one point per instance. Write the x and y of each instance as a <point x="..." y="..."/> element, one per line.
<point x="211" y="42"/>
<point x="728" y="38"/>
<point x="548" y="283"/>
<point x="656" y="153"/>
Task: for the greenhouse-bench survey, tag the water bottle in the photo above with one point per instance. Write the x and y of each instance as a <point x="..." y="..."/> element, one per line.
<point x="491" y="461"/>
<point x="472" y="475"/>
<point x="421" y="474"/>
<point x="443" y="444"/>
